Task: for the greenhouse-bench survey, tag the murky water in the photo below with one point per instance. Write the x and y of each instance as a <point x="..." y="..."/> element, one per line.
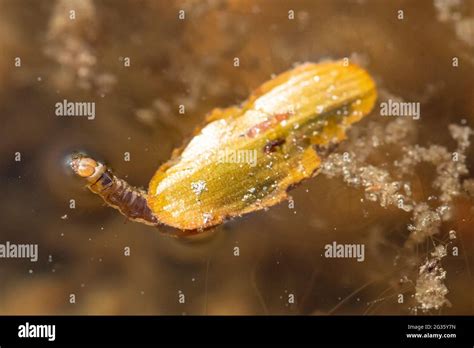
<point x="139" y="62"/>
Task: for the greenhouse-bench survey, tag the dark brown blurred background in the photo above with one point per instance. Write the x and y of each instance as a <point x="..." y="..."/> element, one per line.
<point x="190" y="62"/>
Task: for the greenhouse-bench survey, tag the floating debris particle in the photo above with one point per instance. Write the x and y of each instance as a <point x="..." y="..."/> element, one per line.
<point x="426" y="222"/>
<point x="468" y="186"/>
<point x="198" y="187"/>
<point x="452" y="234"/>
<point x="206" y="218"/>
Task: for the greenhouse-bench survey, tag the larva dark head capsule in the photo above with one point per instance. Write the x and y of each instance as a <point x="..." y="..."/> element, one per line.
<point x="86" y="167"/>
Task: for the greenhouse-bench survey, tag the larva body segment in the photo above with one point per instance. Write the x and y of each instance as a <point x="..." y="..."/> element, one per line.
<point x="116" y="192"/>
<point x="246" y="158"/>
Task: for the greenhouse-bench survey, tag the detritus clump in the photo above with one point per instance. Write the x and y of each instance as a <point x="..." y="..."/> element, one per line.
<point x="430" y="290"/>
<point x="380" y="186"/>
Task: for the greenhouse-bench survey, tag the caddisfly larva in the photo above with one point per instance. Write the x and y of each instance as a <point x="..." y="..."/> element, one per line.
<point x="245" y="158"/>
<point x="117" y="193"/>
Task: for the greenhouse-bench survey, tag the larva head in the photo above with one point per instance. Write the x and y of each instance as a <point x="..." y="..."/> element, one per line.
<point x="86" y="167"/>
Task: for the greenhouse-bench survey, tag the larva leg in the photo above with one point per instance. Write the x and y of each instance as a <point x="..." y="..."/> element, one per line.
<point x="116" y="192"/>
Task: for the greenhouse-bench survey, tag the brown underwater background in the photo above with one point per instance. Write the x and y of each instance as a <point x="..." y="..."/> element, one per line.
<point x="190" y="62"/>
